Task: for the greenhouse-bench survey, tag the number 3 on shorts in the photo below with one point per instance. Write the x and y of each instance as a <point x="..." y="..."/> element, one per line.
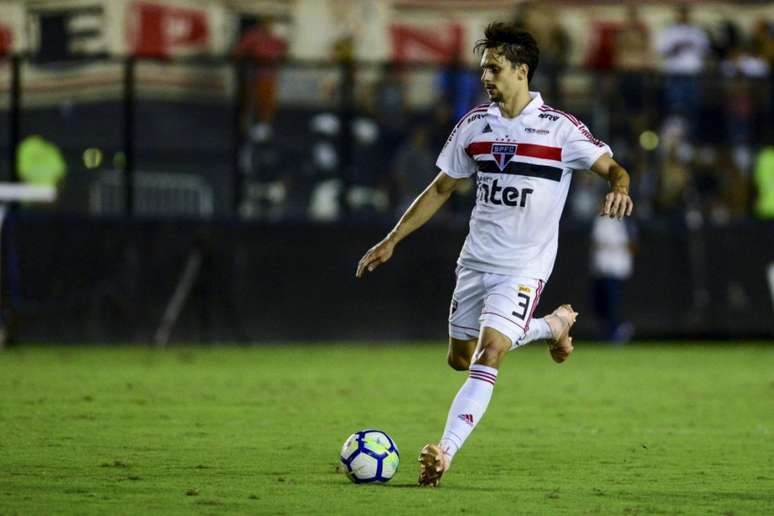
<point x="522" y="303"/>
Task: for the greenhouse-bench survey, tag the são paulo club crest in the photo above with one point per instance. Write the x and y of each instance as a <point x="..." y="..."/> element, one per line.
<point x="503" y="152"/>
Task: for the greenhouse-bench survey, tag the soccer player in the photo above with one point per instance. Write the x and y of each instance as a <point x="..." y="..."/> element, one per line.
<point x="523" y="153"/>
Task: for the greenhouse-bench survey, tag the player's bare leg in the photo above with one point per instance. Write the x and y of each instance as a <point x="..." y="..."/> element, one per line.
<point x="467" y="408"/>
<point x="461" y="353"/>
<point x="560" y="321"/>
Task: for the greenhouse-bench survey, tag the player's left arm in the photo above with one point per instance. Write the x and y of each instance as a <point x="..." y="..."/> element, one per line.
<point x="617" y="204"/>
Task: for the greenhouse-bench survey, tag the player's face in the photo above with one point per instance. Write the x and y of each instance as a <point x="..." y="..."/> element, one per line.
<point x="500" y="78"/>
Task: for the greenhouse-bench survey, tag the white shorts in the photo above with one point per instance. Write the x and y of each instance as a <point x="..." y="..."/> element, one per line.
<point x="483" y="299"/>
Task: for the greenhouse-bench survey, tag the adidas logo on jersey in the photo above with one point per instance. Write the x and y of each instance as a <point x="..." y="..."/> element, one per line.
<point x="487" y="129"/>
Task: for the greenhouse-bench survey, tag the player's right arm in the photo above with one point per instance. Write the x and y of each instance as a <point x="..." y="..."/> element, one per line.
<point x="420" y="211"/>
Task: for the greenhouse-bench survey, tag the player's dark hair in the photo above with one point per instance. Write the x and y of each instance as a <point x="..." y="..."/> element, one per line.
<point x="516" y="45"/>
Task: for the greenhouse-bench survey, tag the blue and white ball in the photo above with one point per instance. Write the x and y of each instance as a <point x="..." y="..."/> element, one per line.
<point x="370" y="456"/>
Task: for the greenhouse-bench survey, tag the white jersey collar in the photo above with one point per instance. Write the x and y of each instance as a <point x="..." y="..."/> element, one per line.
<point x="533" y="105"/>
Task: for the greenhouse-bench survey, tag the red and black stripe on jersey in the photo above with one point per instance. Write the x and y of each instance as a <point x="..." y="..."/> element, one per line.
<point x="520" y="168"/>
<point x="517" y="167"/>
<point x="529" y="150"/>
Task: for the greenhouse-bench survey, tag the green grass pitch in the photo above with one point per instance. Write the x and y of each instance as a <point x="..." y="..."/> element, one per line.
<point x="645" y="429"/>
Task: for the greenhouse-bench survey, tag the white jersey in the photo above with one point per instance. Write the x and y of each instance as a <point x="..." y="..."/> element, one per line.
<point x="524" y="169"/>
<point x="611" y="253"/>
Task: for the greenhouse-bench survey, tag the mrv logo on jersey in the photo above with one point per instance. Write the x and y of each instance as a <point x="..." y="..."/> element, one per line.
<point x="496" y="194"/>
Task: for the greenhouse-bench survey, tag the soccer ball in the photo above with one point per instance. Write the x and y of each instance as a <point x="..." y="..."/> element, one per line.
<point x="369" y="456"/>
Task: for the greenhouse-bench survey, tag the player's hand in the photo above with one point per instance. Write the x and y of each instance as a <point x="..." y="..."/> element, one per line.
<point x="375" y="256"/>
<point x="617" y="205"/>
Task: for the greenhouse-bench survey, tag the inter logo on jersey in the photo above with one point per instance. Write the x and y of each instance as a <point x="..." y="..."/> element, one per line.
<point x="502" y="154"/>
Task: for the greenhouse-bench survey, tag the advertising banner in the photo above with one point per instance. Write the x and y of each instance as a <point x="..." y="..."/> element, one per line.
<point x="11" y="27"/>
<point x="170" y="28"/>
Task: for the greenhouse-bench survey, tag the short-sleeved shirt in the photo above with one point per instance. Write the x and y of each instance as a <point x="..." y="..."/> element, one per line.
<point x="523" y="167"/>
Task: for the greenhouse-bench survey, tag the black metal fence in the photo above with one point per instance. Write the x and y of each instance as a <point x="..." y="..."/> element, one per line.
<point x="223" y="138"/>
<point x="249" y="190"/>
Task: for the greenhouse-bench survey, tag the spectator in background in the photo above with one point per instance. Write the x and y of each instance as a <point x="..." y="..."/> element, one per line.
<point x="744" y="61"/>
<point x="390" y="107"/>
<point x="633" y="59"/>
<point x="324" y="183"/>
<point x="542" y="21"/>
<point x="763" y="40"/>
<point x="265" y="189"/>
<point x="333" y="146"/>
<point x="459" y="87"/>
<point x="683" y="47"/>
<point x="763" y="44"/>
<point x="612" y="261"/>
<point x="438" y="132"/>
<point x="725" y="39"/>
<point x="745" y="116"/>
<point x="632" y="51"/>
<point x="347" y="154"/>
<point x="440" y="124"/>
<point x="259" y="44"/>
<point x="745" y="71"/>
<point x="647" y="183"/>
<point x="706" y="185"/>
<point x="410" y="168"/>
<point x="763" y="179"/>
<point x="367" y="192"/>
<point x="620" y="55"/>
<point x="674" y="175"/>
<point x="601" y="56"/>
<point x="718" y="189"/>
<point x="265" y="182"/>
<point x="583" y="203"/>
<point x="734" y="184"/>
<point x="6" y="40"/>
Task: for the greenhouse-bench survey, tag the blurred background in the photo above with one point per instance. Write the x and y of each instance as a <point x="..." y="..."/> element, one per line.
<point x="220" y="166"/>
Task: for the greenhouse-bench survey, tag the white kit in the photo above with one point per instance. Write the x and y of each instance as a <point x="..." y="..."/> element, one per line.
<point x="523" y="168"/>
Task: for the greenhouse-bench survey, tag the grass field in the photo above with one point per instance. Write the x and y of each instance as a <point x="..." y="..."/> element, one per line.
<point x="648" y="429"/>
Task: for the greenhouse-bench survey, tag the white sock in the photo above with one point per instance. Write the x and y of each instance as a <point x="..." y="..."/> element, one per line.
<point x="538" y="329"/>
<point x="468" y="407"/>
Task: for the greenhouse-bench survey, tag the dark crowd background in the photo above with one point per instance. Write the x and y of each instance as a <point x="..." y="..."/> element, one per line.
<point x="181" y="159"/>
<point x="688" y="110"/>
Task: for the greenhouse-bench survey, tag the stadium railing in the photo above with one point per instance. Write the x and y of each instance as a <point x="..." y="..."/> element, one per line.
<point x="317" y="140"/>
